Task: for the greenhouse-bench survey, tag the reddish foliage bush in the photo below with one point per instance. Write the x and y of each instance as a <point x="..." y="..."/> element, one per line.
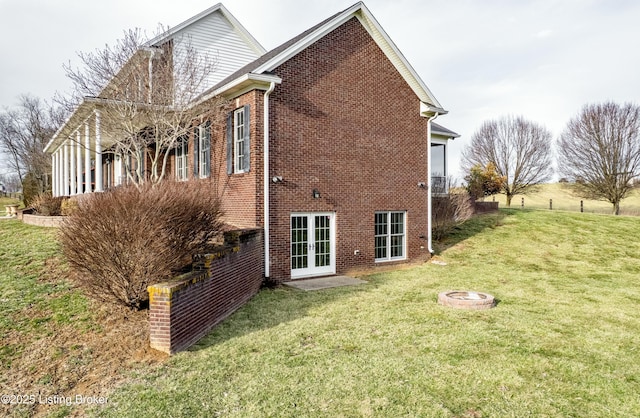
<point x="122" y="241"/>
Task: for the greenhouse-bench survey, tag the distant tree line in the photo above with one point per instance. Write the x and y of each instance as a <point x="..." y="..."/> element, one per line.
<point x="24" y="132"/>
<point x="598" y="153"/>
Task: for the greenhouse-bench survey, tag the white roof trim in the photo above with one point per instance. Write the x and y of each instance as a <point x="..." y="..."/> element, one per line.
<point x="242" y="84"/>
<point x="244" y="33"/>
<point x="360" y="11"/>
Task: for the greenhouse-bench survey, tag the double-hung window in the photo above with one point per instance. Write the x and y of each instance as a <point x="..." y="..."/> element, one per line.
<point x="182" y="153"/>
<point x="204" y="149"/>
<point x="238" y="141"/>
<point x="390" y="236"/>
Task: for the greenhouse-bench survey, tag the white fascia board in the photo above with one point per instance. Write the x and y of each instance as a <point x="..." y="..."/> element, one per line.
<point x="445" y="135"/>
<point x="444" y="140"/>
<point x="56" y="135"/>
<point x="70" y="125"/>
<point x="427" y="110"/>
<point x="251" y="41"/>
<point x="397" y="58"/>
<point x="172" y="31"/>
<point x="243" y="84"/>
<point x="303" y="43"/>
<point x="360" y="11"/>
<point x="237" y="26"/>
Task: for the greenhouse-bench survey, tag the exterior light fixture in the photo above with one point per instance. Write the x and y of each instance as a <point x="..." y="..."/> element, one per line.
<point x="316" y="194"/>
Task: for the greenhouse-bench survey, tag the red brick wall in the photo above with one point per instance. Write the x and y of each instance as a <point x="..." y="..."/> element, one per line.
<point x="345" y="122"/>
<point x="241" y="193"/>
<point x="183" y="311"/>
<point x="242" y="200"/>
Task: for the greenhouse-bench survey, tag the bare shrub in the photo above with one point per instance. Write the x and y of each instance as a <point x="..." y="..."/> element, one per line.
<point x="450" y="211"/>
<point x="69" y="206"/>
<point x="124" y="240"/>
<point x="46" y="205"/>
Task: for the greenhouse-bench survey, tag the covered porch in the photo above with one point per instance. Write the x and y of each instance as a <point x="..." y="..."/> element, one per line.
<point x="82" y="156"/>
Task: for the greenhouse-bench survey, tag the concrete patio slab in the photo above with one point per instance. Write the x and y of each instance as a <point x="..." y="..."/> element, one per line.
<point x="324" y="283"/>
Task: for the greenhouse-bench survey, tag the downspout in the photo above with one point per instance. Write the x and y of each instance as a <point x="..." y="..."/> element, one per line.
<point x="429" y="191"/>
<point x="265" y="178"/>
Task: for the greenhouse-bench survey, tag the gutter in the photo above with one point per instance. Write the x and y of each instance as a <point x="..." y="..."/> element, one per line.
<point x="430" y="119"/>
<point x="265" y="178"/>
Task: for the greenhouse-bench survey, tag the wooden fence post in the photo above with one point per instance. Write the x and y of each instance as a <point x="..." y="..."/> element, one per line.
<point x="522" y="204"/>
<point x="550" y="204"/>
<point x="581" y="206"/>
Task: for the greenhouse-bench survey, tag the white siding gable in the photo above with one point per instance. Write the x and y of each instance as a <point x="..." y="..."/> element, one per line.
<point x="214" y="36"/>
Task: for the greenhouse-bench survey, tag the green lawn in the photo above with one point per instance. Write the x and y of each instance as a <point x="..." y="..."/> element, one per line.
<point x="564" y="339"/>
<point x="38" y="306"/>
<point x="7" y="201"/>
<point x="563" y="199"/>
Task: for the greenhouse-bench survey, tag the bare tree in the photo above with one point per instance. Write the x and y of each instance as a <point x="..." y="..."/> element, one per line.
<point x="600" y="150"/>
<point x="149" y="97"/>
<point x="11" y="182"/>
<point x="520" y="150"/>
<point x="24" y="132"/>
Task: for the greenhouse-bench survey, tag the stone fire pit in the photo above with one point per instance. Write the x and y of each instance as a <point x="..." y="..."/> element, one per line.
<point x="466" y="299"/>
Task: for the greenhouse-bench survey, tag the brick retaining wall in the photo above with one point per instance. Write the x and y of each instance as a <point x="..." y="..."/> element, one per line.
<point x="186" y="309"/>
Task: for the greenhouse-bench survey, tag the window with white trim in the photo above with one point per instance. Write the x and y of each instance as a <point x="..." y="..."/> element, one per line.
<point x="239" y="145"/>
<point x="390" y="236"/>
<point x="204" y="149"/>
<point x="182" y="155"/>
<point x="438" y="167"/>
<point x="239" y="141"/>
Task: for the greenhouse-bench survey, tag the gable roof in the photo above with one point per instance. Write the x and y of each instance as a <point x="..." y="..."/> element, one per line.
<point x="87" y="106"/>
<point x="272" y="59"/>
<point x="237" y="26"/>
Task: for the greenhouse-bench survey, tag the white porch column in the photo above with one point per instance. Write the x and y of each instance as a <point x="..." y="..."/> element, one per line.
<point x="72" y="168"/>
<point x="87" y="159"/>
<point x="98" y="154"/>
<point x="79" y="162"/>
<point x="65" y="168"/>
<point x="59" y="171"/>
<point x="54" y="192"/>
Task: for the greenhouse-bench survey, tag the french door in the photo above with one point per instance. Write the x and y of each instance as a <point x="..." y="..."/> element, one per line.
<point x="313" y="244"/>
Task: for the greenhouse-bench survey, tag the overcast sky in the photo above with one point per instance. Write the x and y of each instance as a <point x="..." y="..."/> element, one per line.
<point x="482" y="59"/>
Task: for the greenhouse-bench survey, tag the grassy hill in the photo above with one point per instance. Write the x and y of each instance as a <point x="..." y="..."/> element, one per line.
<point x="564" y="199"/>
<point x="562" y="341"/>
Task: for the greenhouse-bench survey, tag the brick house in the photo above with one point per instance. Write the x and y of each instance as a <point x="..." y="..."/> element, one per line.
<point x="329" y="144"/>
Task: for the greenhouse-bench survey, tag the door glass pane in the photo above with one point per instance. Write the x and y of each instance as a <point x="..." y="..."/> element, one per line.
<point x="299" y="242"/>
<point x="323" y="239"/>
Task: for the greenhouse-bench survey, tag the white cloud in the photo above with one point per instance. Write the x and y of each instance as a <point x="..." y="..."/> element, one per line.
<point x="544" y="34"/>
